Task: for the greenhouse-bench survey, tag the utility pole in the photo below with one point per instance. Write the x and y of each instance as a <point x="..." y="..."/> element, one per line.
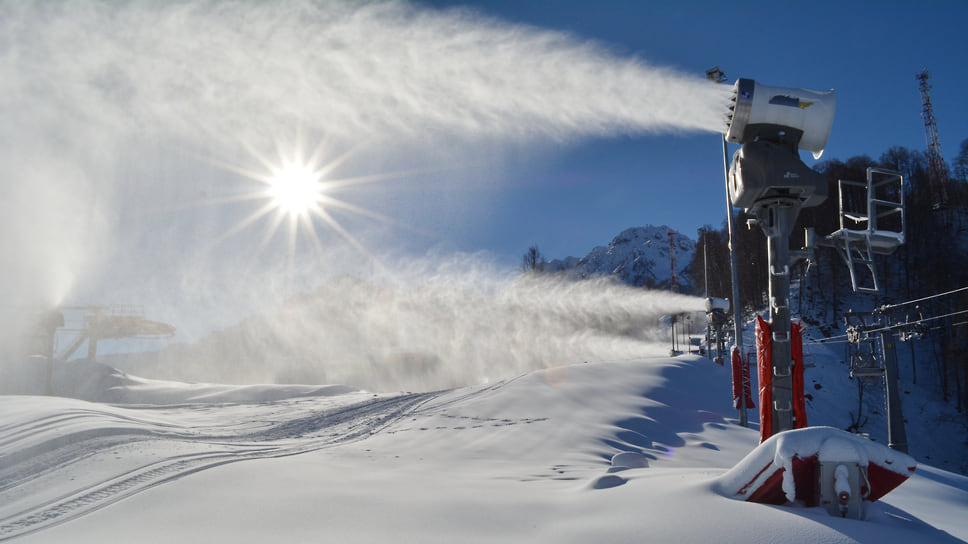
<point x="716" y="75"/>
<point x="673" y="278"/>
<point x="896" y="435"/>
<point x="705" y="277"/>
<point x="734" y="277"/>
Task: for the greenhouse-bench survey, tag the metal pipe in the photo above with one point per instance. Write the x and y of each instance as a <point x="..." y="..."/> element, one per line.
<point x="734" y="268"/>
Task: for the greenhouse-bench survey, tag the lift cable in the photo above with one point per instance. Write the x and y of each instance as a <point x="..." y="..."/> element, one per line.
<point x="890" y="306"/>
<point x="831" y="339"/>
<point x="897" y="326"/>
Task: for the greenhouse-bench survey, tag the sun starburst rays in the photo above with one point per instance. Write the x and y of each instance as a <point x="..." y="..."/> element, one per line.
<point x="295" y="197"/>
<point x="290" y="192"/>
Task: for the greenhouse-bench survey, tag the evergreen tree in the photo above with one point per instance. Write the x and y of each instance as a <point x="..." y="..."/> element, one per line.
<point x="960" y="165"/>
<point x="712" y="256"/>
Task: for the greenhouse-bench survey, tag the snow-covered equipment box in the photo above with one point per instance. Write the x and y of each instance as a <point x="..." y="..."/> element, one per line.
<point x="818" y="466"/>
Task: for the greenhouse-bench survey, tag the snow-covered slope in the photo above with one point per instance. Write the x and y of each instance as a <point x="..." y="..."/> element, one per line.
<point x="639" y="256"/>
<point x="525" y="459"/>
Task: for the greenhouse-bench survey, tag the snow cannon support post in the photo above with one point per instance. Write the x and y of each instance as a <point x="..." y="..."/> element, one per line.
<point x="764" y="352"/>
<point x="741" y="381"/>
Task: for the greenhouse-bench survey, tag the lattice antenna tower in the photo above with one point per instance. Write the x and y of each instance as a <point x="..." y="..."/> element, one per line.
<point x="937" y="169"/>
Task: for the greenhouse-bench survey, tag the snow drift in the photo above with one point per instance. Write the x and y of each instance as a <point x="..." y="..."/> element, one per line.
<point x="610" y="452"/>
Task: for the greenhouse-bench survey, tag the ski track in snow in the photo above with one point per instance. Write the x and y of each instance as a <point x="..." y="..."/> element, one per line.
<point x="66" y="446"/>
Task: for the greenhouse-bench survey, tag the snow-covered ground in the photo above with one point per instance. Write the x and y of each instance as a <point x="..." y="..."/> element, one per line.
<point x="525" y="459"/>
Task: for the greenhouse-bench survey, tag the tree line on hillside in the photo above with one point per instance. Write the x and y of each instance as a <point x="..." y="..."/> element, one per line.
<point x="933" y="260"/>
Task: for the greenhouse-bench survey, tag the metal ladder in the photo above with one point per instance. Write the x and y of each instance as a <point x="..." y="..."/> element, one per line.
<point x="871" y="223"/>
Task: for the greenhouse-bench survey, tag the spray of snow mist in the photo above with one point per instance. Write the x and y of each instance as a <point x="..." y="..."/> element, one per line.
<point x="446" y="331"/>
<point x="109" y="104"/>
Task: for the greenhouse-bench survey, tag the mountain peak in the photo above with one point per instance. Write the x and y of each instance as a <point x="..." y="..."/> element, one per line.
<point x="638" y="256"/>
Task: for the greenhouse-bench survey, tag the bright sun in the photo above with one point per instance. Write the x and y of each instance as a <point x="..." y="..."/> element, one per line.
<point x="295" y="189"/>
<point x="297" y="192"/>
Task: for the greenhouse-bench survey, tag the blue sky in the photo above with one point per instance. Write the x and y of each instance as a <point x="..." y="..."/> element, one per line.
<point x="579" y="196"/>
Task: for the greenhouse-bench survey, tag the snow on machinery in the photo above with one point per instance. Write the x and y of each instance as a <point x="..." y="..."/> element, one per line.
<point x="819" y="467"/>
<point x="716" y="330"/>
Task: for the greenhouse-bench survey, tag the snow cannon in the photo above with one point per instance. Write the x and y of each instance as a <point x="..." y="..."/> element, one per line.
<point x="818" y="467"/>
<point x="716" y="304"/>
<point x="792" y="118"/>
<point x="772" y="123"/>
<point x="768" y="179"/>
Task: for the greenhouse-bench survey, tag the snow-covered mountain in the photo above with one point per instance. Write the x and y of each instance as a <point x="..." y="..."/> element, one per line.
<point x="639" y="256"/>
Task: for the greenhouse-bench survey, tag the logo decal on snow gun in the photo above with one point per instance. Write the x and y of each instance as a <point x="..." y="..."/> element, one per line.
<point x="792" y="101"/>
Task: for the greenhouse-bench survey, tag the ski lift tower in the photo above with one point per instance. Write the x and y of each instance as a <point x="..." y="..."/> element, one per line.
<point x="872" y="223"/>
<point x="768" y="179"/>
<point x="99" y="323"/>
<point x="112" y="323"/>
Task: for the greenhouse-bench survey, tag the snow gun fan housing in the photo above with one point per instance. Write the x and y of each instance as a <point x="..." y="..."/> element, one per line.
<point x="772" y="123"/>
<point x="792" y="118"/>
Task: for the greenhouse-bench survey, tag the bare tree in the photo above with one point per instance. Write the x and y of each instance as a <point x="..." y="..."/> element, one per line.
<point x="532" y="261"/>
